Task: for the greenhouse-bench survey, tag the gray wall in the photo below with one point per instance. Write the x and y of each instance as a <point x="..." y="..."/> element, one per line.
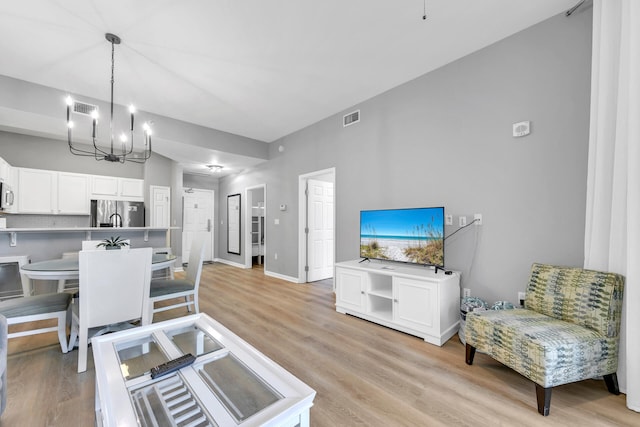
<point x="445" y="139"/>
<point x="36" y="152"/>
<point x="23" y="101"/>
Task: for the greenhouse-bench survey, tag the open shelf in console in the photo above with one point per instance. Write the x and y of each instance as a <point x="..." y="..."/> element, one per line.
<point x="381" y="285"/>
<point x="381" y="307"/>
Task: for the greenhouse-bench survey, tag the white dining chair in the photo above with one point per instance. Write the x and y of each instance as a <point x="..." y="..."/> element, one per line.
<point x="114" y="288"/>
<point x="31" y="310"/>
<point x="187" y="288"/>
<point x="68" y="284"/>
<point x="91" y="245"/>
<point x="165" y="273"/>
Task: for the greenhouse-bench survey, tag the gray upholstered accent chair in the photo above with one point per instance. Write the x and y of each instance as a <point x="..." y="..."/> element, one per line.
<point x="568" y="331"/>
<point x="39" y="307"/>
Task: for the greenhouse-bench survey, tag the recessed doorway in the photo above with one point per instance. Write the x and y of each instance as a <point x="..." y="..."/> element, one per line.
<point x="255" y="222"/>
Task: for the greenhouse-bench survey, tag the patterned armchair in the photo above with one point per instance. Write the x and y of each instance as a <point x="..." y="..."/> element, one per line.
<point x="567" y="332"/>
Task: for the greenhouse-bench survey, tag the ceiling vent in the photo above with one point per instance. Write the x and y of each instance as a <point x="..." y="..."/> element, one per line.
<point x="84" y="109"/>
<point x="351" y="118"/>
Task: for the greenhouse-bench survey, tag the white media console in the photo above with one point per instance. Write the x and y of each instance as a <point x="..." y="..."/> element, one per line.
<point x="411" y="299"/>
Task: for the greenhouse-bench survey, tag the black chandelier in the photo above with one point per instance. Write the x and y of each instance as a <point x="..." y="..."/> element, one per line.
<point x="125" y="152"/>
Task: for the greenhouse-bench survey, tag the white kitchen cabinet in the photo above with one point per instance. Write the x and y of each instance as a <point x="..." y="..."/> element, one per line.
<point x="73" y="194"/>
<point x="8" y="176"/>
<point x="114" y="188"/>
<point x="133" y="188"/>
<point x="5" y="171"/>
<point x="37" y="191"/>
<point x="415" y="300"/>
<point x="103" y="186"/>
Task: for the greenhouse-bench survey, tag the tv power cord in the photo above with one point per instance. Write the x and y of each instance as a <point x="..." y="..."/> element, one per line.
<point x="463" y="227"/>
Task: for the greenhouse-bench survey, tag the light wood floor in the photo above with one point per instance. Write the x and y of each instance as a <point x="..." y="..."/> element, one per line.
<point x="364" y="374"/>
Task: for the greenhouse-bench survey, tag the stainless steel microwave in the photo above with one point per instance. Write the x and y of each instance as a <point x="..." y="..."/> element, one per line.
<point x="6" y="196"/>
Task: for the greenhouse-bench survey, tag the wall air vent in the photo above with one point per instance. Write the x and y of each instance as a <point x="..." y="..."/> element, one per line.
<point x="84" y="109"/>
<point x="351" y="118"/>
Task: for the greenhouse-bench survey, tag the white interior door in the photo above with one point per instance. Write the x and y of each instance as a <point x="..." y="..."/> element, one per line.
<point x="160" y="215"/>
<point x="320" y="225"/>
<point x="197" y="221"/>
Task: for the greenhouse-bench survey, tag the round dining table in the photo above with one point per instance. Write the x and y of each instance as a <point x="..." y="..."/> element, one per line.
<point x="69" y="268"/>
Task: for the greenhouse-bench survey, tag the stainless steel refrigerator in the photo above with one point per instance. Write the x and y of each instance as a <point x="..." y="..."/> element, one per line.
<point x="117" y="213"/>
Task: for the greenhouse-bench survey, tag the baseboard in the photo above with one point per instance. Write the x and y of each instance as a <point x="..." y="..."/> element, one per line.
<point x="226" y="261"/>
<point x="282" y="276"/>
<point x="266" y="273"/>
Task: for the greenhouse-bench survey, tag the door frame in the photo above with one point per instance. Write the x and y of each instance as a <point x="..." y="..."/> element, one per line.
<point x="248" y="262"/>
<point x="302" y="218"/>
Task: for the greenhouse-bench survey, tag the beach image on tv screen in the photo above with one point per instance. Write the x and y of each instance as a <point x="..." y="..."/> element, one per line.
<point x="405" y="235"/>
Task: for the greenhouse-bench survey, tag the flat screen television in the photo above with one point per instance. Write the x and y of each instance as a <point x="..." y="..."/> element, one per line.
<point x="404" y="235"/>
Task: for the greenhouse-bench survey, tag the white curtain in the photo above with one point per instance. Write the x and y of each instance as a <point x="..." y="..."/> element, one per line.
<point x="612" y="234"/>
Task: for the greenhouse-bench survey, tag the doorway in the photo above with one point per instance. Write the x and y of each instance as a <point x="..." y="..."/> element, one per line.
<point x="197" y="221"/>
<point x="160" y="197"/>
<point x="255" y="221"/>
<point x="316" y="220"/>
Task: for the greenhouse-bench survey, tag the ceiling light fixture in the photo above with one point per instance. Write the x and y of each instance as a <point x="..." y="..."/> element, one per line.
<point x="125" y="153"/>
<point x="214" y="168"/>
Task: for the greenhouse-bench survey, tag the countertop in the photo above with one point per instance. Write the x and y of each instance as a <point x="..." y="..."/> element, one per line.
<point x="83" y="229"/>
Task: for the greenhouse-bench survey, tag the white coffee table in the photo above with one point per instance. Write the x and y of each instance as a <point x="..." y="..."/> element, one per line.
<point x="229" y="384"/>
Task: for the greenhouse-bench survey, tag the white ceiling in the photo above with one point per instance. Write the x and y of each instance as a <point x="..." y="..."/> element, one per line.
<point x="256" y="68"/>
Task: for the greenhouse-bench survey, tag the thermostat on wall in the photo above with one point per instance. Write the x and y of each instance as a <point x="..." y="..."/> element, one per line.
<point x="521" y="128"/>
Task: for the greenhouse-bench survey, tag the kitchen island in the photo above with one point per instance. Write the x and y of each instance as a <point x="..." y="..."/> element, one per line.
<point x="40" y="244"/>
<point x="85" y="233"/>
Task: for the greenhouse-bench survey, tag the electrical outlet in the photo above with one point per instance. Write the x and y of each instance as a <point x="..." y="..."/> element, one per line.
<point x="448" y="220"/>
<point x="478" y="219"/>
<point x="466" y="292"/>
<point x="462" y="221"/>
<point x="275" y="255"/>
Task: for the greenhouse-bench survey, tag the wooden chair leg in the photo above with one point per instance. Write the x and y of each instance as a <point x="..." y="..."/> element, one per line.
<point x="470" y="353"/>
<point x="611" y="381"/>
<point x="544" y="399"/>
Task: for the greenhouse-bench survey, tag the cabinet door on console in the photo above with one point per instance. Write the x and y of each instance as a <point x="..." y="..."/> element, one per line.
<point x="350" y="289"/>
<point x="416" y="304"/>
